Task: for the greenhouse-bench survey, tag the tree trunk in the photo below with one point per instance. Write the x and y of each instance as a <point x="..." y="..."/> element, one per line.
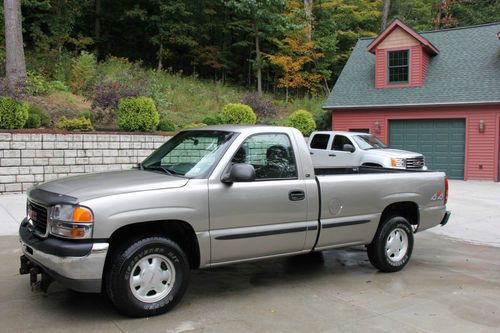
<point x="15" y="64"/>
<point x="385" y="13"/>
<point x="160" y="54"/>
<point x="308" y="6"/>
<point x="439" y="15"/>
<point x="97" y="27"/>
<point x="258" y="59"/>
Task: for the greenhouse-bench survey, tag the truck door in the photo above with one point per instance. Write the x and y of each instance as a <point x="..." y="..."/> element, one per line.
<point x="264" y="217"/>
<point x="320" y="154"/>
<point x="340" y="157"/>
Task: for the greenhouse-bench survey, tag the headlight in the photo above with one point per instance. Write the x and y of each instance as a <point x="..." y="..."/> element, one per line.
<point x="71" y="221"/>
<point x="398" y="163"/>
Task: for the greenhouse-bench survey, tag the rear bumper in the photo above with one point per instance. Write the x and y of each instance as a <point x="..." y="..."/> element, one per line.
<point x="78" y="271"/>
<point x="446" y="217"/>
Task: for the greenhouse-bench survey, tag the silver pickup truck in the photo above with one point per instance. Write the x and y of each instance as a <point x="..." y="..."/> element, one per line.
<point x="214" y="196"/>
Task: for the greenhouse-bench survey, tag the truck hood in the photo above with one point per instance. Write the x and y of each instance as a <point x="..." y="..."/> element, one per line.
<point x="394" y="153"/>
<point x="96" y="185"/>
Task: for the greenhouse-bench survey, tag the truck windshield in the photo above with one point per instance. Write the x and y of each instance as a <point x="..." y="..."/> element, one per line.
<point x="368" y="141"/>
<point x="189" y="154"/>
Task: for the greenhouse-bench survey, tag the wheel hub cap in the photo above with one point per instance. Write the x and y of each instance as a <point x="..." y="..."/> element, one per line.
<point x="152" y="278"/>
<point x="396" y="245"/>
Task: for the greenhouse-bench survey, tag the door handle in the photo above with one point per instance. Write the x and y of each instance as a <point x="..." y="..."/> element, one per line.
<point x="296" y="195"/>
<point x="311" y="153"/>
<point x="332" y="155"/>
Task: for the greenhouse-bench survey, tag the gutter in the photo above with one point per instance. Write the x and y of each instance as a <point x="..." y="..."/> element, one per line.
<point x="380" y="106"/>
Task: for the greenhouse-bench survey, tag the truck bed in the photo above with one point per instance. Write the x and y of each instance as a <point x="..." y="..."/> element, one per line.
<point x="361" y="170"/>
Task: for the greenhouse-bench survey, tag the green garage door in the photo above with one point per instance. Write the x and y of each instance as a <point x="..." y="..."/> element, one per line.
<point x="441" y="141"/>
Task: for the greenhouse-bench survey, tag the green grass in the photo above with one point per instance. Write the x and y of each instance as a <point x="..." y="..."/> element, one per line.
<point x="182" y="99"/>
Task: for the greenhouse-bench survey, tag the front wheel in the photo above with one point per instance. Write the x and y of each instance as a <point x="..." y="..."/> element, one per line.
<point x="392" y="245"/>
<point x="147" y="277"/>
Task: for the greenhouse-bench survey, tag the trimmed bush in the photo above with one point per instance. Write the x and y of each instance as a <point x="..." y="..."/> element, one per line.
<point x="13" y="114"/>
<point x="80" y="124"/>
<point x="166" y="125"/>
<point x="137" y="114"/>
<point x="303" y="121"/>
<point x="83" y="70"/>
<point x="237" y="113"/>
<point x="212" y="120"/>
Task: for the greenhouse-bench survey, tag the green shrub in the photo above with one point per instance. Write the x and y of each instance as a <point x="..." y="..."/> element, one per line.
<point x="83" y="69"/>
<point x="12" y="113"/>
<point x="37" y="117"/>
<point x="80" y="124"/>
<point x="303" y="121"/>
<point x="137" y="114"/>
<point x="212" y="120"/>
<point x="237" y="113"/>
<point x="166" y="125"/>
<point x="87" y="115"/>
<point x="195" y="125"/>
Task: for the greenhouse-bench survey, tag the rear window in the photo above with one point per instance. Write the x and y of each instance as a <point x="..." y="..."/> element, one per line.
<point x="320" y="141"/>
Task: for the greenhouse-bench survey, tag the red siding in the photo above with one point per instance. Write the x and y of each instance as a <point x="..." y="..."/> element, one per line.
<point x="426" y="59"/>
<point x="418" y="60"/>
<point x="481" y="149"/>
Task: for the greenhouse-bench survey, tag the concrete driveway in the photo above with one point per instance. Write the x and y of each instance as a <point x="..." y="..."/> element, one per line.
<point x="452" y="284"/>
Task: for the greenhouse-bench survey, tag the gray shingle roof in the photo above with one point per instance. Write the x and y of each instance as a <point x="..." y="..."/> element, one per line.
<point x="466" y="70"/>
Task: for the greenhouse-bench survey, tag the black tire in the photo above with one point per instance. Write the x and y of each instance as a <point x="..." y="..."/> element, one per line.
<point x="172" y="262"/>
<point x="391" y="260"/>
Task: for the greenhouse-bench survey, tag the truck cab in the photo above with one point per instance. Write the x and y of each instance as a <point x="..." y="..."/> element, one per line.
<point x="353" y="149"/>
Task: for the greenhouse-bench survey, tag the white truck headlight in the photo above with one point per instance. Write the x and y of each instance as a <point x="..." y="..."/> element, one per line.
<point x="398" y="163"/>
<point x="70" y="221"/>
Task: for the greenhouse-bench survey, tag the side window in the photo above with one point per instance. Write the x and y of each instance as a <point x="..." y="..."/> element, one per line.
<point x="320" y="141"/>
<point x="339" y="141"/>
<point x="270" y="154"/>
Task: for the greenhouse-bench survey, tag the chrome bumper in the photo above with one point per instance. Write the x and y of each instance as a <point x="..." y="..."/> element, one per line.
<point x="78" y="273"/>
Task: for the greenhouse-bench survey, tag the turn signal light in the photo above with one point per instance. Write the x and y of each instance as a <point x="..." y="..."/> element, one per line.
<point x="81" y="214"/>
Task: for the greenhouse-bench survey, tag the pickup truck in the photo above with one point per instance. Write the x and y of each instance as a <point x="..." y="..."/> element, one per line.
<point x="214" y="196"/>
<point x="351" y="149"/>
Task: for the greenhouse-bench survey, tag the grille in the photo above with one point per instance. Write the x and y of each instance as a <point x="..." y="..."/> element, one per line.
<point x="415" y="163"/>
<point x="39" y="217"/>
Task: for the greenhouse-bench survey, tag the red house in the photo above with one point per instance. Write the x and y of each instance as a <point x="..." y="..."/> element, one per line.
<point x="435" y="92"/>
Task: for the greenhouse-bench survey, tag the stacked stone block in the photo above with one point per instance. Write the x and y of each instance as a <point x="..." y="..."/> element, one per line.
<point x="27" y="159"/>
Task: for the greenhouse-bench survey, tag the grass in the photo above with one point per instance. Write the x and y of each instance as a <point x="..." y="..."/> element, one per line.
<point x="182" y="99"/>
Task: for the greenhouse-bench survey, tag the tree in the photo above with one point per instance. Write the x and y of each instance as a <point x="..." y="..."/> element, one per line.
<point x="265" y="18"/>
<point x="15" y="63"/>
<point x="385" y="13"/>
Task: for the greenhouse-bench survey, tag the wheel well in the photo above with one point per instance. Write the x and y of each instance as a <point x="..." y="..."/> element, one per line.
<point x="406" y="209"/>
<point x="372" y="165"/>
<point x="178" y="231"/>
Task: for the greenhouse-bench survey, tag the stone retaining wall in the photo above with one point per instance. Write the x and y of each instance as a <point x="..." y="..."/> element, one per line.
<point x="27" y="159"/>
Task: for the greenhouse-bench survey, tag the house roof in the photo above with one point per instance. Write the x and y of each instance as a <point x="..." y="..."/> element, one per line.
<point x="466" y="71"/>
<point x="395" y="24"/>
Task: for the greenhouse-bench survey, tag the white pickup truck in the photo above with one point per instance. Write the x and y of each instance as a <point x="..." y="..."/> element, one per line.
<point x="352" y="149"/>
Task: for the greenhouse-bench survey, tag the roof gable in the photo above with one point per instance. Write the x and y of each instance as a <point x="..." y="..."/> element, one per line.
<point x="466" y="71"/>
<point x="397" y="25"/>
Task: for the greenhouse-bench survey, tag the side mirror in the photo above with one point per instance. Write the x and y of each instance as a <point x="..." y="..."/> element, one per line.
<point x="239" y="173"/>
<point x="349" y="148"/>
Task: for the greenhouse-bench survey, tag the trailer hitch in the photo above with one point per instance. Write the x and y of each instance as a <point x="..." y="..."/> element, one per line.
<point x="27" y="267"/>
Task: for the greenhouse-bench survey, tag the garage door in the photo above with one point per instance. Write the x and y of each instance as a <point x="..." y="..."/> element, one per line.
<point x="442" y="141"/>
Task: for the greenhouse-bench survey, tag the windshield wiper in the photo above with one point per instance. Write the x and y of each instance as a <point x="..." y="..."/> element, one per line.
<point x="159" y="167"/>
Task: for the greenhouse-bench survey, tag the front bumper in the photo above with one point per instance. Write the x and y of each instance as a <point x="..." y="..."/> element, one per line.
<point x="78" y="266"/>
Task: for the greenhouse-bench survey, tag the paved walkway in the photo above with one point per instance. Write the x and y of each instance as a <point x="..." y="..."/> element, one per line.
<point x="475" y="207"/>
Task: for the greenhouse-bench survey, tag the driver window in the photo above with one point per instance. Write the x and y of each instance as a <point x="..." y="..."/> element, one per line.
<point x="271" y="155"/>
<point x="339" y="141"/>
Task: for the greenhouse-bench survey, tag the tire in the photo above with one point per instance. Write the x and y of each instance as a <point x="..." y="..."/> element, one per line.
<point x="147" y="277"/>
<point x="392" y="245"/>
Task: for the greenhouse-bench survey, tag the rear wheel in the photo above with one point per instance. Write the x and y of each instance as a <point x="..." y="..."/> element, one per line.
<point x="392" y="245"/>
<point x="147" y="277"/>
